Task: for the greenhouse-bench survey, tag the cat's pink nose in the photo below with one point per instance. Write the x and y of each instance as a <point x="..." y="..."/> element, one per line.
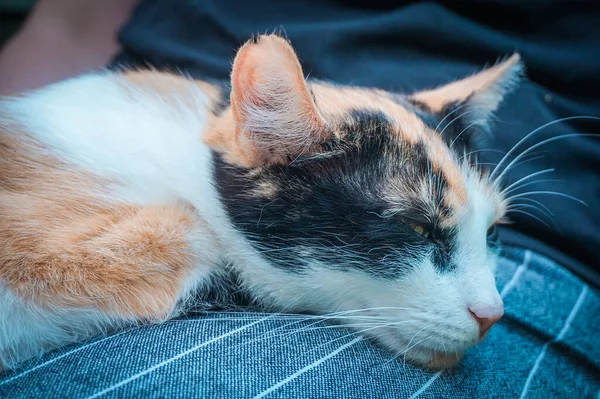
<point x="486" y="317"/>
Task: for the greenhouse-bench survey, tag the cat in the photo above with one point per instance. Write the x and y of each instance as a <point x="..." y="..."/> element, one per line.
<point x="124" y="195"/>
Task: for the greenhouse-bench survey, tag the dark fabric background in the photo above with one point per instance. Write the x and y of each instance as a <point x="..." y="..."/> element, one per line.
<point x="12" y="16"/>
<point x="410" y="45"/>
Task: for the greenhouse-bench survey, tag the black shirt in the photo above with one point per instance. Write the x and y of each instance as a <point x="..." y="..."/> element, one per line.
<point x="410" y="45"/>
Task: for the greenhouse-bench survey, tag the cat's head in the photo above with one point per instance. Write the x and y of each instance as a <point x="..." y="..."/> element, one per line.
<point x="365" y="202"/>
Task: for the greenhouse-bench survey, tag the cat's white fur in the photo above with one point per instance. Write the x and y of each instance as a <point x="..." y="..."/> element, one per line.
<point x="152" y="148"/>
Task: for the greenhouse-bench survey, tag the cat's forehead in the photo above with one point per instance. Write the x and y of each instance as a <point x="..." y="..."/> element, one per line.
<point x="338" y="102"/>
<point x="429" y="171"/>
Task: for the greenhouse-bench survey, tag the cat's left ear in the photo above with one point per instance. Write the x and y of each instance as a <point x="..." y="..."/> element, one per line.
<point x="274" y="114"/>
<point x="478" y="96"/>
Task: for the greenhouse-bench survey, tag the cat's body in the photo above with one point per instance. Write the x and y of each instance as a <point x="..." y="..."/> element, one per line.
<point x="94" y="215"/>
<point x="124" y="194"/>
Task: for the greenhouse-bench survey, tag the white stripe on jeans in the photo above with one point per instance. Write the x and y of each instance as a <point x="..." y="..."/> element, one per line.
<point x="560" y="336"/>
<point x="62" y="356"/>
<point x="172" y="359"/>
<point x="305" y="369"/>
<point x="517" y="275"/>
<point x="426" y="385"/>
<point x="513" y="281"/>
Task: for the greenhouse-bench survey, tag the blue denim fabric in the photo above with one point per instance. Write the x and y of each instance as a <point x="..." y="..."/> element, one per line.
<point x="547" y="346"/>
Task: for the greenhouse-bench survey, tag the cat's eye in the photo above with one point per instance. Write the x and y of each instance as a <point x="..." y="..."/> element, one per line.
<point x="419" y="229"/>
<point x="492" y="233"/>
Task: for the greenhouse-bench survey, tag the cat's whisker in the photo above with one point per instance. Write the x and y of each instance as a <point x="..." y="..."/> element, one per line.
<point x="530" y="215"/>
<point x="454" y="120"/>
<point x="272" y="316"/>
<point x="524" y="161"/>
<point x="449" y="114"/>
<point x="528" y="150"/>
<point x="531" y="200"/>
<point x="443" y="344"/>
<point x="547" y="193"/>
<point x="351" y="334"/>
<point x="417" y="344"/>
<point x="290" y="306"/>
<point x="393" y="358"/>
<point x="308" y="329"/>
<point x="331" y="316"/>
<point x="467" y="154"/>
<point x="516" y="184"/>
<point x="529" y="206"/>
<point x="514" y="148"/>
<point x="522" y="186"/>
<point x="464" y="130"/>
<point x="290" y="316"/>
<point x="486" y="164"/>
<point x="517" y="208"/>
<point x="411" y="340"/>
<point x="531" y="148"/>
<point x="369" y="326"/>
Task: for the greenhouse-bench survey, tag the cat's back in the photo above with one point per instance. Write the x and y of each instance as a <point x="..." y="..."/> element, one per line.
<point x="74" y="153"/>
<point x="78" y="156"/>
<point x="137" y="127"/>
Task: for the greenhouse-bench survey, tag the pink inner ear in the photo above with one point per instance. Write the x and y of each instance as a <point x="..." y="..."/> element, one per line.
<point x="246" y="78"/>
<point x="274" y="114"/>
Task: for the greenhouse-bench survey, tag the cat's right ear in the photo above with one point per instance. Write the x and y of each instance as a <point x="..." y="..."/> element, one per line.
<point x="274" y="114"/>
<point x="475" y="98"/>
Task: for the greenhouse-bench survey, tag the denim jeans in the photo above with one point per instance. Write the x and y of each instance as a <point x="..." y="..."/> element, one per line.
<point x="546" y="346"/>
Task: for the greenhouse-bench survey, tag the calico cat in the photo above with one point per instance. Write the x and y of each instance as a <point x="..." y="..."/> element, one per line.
<point x="125" y="195"/>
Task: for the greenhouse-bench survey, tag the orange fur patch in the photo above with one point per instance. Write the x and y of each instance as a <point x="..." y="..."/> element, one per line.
<point x="221" y="137"/>
<point x="60" y="245"/>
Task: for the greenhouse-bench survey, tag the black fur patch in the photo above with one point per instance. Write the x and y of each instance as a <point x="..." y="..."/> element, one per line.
<point x="329" y="208"/>
<point x="454" y="123"/>
<point x="223" y="292"/>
